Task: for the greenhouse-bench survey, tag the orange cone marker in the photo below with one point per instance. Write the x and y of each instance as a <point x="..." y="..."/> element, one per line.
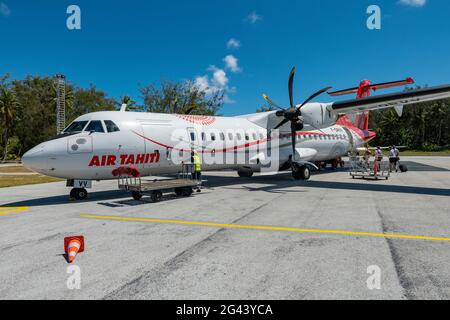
<point x="72" y="246"/>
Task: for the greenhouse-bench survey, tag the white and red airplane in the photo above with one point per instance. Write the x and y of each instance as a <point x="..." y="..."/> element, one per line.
<point x="96" y="145"/>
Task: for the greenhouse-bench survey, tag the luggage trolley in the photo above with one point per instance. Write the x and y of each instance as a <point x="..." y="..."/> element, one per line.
<point x="183" y="185"/>
<point x="360" y="168"/>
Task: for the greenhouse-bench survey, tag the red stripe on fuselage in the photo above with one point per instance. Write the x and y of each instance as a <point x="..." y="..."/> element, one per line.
<point x="246" y="145"/>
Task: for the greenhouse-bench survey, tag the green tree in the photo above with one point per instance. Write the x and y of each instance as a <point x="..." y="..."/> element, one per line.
<point x="37" y="110"/>
<point x="181" y="98"/>
<point x="90" y="100"/>
<point x="8" y="110"/>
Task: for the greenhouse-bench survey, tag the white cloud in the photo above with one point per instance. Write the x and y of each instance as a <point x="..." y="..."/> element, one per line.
<point x="231" y="63"/>
<point x="233" y="44"/>
<point x="220" y="78"/>
<point x="217" y="82"/>
<point x="4" y="10"/>
<point x="254" y="17"/>
<point x="414" y="3"/>
<point x="217" y="79"/>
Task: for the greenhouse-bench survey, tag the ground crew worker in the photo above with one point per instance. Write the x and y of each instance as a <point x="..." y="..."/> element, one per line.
<point x="197" y="170"/>
<point x="393" y="159"/>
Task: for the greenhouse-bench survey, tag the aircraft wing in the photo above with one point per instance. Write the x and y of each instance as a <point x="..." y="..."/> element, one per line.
<point x="391" y="100"/>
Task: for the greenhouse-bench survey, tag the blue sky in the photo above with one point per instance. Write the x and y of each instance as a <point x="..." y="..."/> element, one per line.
<point x="126" y="44"/>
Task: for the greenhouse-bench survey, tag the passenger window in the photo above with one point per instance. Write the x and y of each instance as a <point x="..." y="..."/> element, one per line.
<point x="222" y="136"/>
<point x="111" y="126"/>
<point x="247" y="137"/>
<point x="203" y="136"/>
<point x="230" y="136"/>
<point x="238" y="135"/>
<point x="254" y="136"/>
<point x="213" y="137"/>
<point x="192" y="136"/>
<point x="95" y="126"/>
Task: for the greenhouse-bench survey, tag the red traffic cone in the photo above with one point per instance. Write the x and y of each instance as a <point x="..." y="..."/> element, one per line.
<point x="72" y="246"/>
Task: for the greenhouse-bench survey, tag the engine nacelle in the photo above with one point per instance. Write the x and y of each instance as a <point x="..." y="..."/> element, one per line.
<point x="318" y="115"/>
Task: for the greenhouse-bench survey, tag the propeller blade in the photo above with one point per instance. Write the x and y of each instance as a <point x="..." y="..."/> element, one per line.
<point x="318" y="93"/>
<point x="281" y="124"/>
<point x="291" y="88"/>
<point x="271" y="103"/>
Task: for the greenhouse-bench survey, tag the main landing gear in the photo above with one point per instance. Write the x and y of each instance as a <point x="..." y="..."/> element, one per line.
<point x="301" y="172"/>
<point x="78" y="194"/>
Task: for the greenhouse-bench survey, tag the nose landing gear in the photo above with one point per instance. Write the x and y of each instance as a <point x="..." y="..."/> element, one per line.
<point x="78" y="194"/>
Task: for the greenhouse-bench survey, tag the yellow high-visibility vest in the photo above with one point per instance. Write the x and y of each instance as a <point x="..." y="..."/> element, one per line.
<point x="197" y="164"/>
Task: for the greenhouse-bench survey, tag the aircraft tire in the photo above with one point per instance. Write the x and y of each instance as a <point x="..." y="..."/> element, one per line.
<point x="305" y="173"/>
<point x="79" y="193"/>
<point x="301" y="173"/>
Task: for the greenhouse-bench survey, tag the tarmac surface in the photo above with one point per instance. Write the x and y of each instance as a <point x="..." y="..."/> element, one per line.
<point x="265" y="237"/>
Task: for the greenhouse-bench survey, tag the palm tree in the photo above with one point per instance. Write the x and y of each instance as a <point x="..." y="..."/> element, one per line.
<point x="8" y="110"/>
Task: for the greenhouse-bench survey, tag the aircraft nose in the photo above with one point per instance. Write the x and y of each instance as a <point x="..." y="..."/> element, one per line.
<point x="36" y="159"/>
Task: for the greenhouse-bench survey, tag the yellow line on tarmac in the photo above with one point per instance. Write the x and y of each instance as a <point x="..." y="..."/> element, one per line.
<point x="269" y="228"/>
<point x="8" y="210"/>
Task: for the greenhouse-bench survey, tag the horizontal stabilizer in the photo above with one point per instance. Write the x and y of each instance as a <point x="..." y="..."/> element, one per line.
<point x="374" y="87"/>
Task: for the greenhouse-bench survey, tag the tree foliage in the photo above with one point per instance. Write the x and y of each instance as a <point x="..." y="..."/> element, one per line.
<point x="35" y="119"/>
<point x="179" y="98"/>
<point x="8" y="113"/>
<point x="423" y="126"/>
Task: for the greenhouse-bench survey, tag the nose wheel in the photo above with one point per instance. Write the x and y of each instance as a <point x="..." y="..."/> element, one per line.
<point x="78" y="194"/>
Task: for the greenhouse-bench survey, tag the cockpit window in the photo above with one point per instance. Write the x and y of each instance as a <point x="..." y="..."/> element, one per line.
<point x="95" y="126"/>
<point x="76" y="126"/>
<point x="111" y="126"/>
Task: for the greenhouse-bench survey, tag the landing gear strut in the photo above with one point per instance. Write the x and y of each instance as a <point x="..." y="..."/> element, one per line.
<point x="78" y="193"/>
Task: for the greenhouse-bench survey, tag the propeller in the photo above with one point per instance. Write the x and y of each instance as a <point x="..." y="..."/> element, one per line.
<point x="293" y="114"/>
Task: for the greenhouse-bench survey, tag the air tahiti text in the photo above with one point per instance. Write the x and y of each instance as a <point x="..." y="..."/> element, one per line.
<point x="124" y="159"/>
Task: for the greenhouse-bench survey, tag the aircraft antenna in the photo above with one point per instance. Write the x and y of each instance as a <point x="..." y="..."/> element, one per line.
<point x="60" y="86"/>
